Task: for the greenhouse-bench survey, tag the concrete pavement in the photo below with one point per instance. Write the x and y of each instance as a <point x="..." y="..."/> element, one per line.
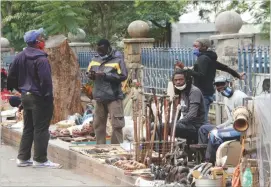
<point x="11" y="175"/>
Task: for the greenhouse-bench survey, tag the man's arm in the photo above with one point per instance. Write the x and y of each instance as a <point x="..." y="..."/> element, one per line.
<point x="194" y="102"/>
<point x="45" y="77"/>
<point x="225" y="68"/>
<point x="225" y="124"/>
<point x="12" y="79"/>
<point x="122" y="73"/>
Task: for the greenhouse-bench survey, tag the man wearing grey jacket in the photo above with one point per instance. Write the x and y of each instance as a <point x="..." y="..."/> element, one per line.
<point x="108" y="70"/>
<point x="216" y="135"/>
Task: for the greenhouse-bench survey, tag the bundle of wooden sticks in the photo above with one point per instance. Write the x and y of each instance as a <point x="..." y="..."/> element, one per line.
<point x="144" y="117"/>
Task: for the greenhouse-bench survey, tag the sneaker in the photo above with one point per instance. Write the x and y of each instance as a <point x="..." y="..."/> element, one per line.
<point x="47" y="164"/>
<point x="22" y="163"/>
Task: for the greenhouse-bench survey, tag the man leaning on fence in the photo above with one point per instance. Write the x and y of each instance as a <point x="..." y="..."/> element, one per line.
<point x="205" y="71"/>
<point x="108" y="70"/>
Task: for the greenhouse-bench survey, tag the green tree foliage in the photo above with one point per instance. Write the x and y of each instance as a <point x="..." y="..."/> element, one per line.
<point x="17" y="18"/>
<point x="61" y="17"/>
<point x="108" y="19"/>
<point x="161" y="14"/>
<point x="261" y="14"/>
<point x="54" y="16"/>
<point x="100" y="19"/>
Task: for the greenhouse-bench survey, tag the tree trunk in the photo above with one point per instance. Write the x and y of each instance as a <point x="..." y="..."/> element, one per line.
<point x="66" y="78"/>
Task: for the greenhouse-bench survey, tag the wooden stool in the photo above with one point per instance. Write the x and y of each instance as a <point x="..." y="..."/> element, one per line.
<point x="199" y="150"/>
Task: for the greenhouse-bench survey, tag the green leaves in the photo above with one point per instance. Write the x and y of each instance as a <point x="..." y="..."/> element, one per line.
<point x="62" y="17"/>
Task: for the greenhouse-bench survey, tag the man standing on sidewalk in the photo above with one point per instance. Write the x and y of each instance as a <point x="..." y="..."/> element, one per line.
<point x="108" y="70"/>
<point x="30" y="74"/>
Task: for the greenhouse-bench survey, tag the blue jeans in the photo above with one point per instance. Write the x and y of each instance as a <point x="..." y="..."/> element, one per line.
<point x="203" y="132"/>
<point x="208" y="100"/>
<point x="213" y="143"/>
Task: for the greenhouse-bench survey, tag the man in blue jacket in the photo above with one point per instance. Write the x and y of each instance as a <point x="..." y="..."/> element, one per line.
<point x="30" y="74"/>
<point x="108" y="70"/>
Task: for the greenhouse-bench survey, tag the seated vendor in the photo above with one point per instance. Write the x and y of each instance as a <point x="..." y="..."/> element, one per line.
<point x="216" y="135"/>
<point x="170" y="89"/>
<point x="192" y="106"/>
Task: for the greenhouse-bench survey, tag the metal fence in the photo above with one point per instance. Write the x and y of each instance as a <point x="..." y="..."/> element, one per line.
<point x="6" y="60"/>
<point x="159" y="64"/>
<point x="84" y="57"/>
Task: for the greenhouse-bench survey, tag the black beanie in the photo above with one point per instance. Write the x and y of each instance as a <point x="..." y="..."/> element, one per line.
<point x="104" y="42"/>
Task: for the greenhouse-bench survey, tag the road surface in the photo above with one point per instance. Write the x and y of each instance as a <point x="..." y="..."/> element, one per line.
<point x="11" y="175"/>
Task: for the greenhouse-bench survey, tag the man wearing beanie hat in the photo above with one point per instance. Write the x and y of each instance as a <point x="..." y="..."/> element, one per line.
<point x="204" y="71"/>
<point x="30" y="74"/>
<point x="107" y="70"/>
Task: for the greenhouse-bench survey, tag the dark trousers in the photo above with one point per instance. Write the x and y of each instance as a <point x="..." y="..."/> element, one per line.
<point x="37" y="113"/>
<point x="188" y="132"/>
<point x="101" y="111"/>
<point x="208" y="100"/>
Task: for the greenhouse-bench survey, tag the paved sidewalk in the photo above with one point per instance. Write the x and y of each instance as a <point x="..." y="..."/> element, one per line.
<point x="11" y="175"/>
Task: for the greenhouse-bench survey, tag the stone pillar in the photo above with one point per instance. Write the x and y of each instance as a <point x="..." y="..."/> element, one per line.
<point x="6" y="52"/>
<point x="138" y="31"/>
<point x="77" y="42"/>
<point x="228" y="40"/>
<point x="5" y="48"/>
<point x="227" y="43"/>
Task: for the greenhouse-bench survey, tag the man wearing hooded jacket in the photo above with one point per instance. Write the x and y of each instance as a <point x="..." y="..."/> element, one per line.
<point x="108" y="70"/>
<point x="205" y="71"/>
<point x="30" y="74"/>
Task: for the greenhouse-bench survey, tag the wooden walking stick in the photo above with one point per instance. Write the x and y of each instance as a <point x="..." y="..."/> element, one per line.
<point x="145" y="140"/>
<point x="165" y="135"/>
<point x="168" y="121"/>
<point x="176" y="115"/>
<point x="140" y="125"/>
<point x="135" y="127"/>
<point x="160" y="128"/>
<point x="148" y="128"/>
<point x="155" y="124"/>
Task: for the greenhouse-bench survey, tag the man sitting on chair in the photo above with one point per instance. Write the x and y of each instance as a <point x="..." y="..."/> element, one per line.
<point x="192" y="106"/>
<point x="215" y="136"/>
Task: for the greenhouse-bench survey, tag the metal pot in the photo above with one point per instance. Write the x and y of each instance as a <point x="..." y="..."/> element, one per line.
<point x="209" y="182"/>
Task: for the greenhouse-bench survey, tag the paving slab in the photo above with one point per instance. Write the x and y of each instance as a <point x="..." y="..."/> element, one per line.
<point x="11" y="175"/>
